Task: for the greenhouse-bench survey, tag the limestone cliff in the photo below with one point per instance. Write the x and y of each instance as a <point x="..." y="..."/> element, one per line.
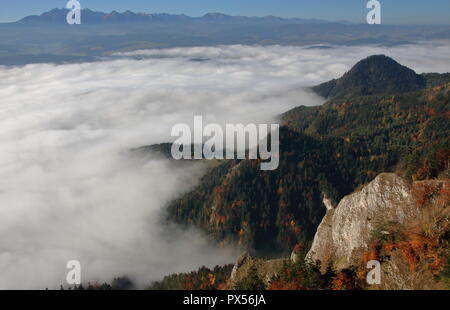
<point x="392" y="218"/>
<point x="347" y="229"/>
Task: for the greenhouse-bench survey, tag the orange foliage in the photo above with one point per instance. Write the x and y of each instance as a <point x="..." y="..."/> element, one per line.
<point x="423" y="192"/>
<point x="212" y="279"/>
<point x="280" y="190"/>
<point x="341" y="281"/>
<point x="299" y="247"/>
<point x="297" y="229"/>
<point x="417" y="246"/>
<point x="218" y="190"/>
<point x="444" y="194"/>
<point x="236" y="204"/>
<point x="371" y="254"/>
<point x="284" y="286"/>
<point x="188" y="285"/>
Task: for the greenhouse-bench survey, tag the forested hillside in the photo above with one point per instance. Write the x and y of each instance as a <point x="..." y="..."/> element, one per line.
<point x="326" y="151"/>
<point x="374" y="75"/>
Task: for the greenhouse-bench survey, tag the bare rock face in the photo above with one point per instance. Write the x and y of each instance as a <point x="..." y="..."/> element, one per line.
<point x="345" y="231"/>
<point x="266" y="269"/>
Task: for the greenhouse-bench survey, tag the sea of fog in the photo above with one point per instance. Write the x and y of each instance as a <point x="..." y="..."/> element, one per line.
<point x="70" y="190"/>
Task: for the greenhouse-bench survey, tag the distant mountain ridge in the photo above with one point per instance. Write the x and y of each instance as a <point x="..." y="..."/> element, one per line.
<point x="34" y="39"/>
<point x="90" y="16"/>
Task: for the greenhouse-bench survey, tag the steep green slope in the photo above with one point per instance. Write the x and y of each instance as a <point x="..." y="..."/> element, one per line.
<point x="412" y="129"/>
<point x="264" y="210"/>
<point x="324" y="151"/>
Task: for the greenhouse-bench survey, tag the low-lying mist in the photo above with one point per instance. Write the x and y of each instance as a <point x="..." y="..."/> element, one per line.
<point x="68" y="187"/>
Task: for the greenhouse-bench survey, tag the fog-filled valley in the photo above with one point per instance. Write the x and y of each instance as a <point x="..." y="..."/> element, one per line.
<point x="69" y="187"/>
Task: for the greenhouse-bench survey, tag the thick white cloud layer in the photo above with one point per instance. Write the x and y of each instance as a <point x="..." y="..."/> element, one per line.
<point x="68" y="187"/>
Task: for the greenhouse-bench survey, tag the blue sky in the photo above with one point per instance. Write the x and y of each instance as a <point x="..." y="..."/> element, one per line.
<point x="393" y="11"/>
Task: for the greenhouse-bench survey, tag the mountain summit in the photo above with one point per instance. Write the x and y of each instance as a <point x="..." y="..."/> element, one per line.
<point x="374" y="75"/>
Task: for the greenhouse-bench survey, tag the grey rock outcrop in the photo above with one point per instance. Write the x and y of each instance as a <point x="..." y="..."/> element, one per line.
<point x="266" y="269"/>
<point x="345" y="231"/>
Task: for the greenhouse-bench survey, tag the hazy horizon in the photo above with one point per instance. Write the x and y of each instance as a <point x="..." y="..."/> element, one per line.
<point x="402" y="12"/>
